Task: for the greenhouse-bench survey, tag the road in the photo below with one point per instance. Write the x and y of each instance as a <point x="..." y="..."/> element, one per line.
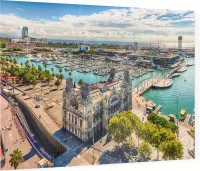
<point x="13" y="140"/>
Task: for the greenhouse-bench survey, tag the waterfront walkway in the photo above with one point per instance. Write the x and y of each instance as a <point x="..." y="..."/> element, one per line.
<point x="164" y="82"/>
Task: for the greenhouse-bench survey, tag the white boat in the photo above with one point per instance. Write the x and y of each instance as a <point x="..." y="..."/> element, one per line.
<point x="161" y="69"/>
<point x="39" y="55"/>
<point x="190" y="64"/>
<point x="175" y="75"/>
<point x="48" y="63"/>
<point x="28" y="56"/>
<point x="183" y="69"/>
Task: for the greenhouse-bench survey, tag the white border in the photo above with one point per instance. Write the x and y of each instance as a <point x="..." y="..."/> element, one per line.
<point x="155" y="4"/>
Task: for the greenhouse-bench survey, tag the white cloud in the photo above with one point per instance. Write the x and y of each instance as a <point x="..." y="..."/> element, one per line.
<point x="131" y="24"/>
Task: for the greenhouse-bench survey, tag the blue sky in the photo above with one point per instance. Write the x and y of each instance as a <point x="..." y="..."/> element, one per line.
<point x="66" y="21"/>
<point x="47" y="10"/>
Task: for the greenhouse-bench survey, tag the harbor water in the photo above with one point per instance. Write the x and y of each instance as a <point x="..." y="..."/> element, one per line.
<point x="179" y="96"/>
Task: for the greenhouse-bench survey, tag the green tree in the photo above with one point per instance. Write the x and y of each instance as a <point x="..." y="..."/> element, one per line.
<point x="6" y="75"/>
<point x="14" y="84"/>
<point x="80" y="82"/>
<point x="70" y="73"/>
<point x="48" y="78"/>
<point x="27" y="63"/>
<point x="120" y="128"/>
<point x="34" y="82"/>
<point x="14" y="61"/>
<point x="162" y="135"/>
<point x="39" y="68"/>
<point x="45" y="66"/>
<point x="149" y="130"/>
<point x="16" y="158"/>
<point x="41" y="78"/>
<point x="57" y="83"/>
<point x="61" y="77"/>
<point x="27" y="77"/>
<point x="136" y="123"/>
<point x="144" y="150"/>
<point x="60" y="70"/>
<point x="172" y="150"/>
<point x="52" y="70"/>
<point x="162" y="122"/>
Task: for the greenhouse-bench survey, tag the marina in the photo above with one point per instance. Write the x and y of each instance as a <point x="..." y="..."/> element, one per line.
<point x="159" y="96"/>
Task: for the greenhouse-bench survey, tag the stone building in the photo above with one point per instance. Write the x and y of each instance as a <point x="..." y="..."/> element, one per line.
<point x="88" y="108"/>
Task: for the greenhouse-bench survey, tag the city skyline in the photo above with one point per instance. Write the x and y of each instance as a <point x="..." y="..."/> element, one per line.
<point x="97" y="23"/>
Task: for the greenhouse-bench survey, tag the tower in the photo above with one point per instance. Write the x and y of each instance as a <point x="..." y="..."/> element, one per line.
<point x="24" y="32"/>
<point x="127" y="91"/>
<point x="180" y="38"/>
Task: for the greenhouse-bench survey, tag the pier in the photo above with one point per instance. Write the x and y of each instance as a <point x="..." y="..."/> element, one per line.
<point x="157" y="109"/>
<point x="187" y="119"/>
<point x="164" y="82"/>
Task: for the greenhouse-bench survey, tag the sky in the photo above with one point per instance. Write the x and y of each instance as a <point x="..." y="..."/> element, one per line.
<point x="98" y="23"/>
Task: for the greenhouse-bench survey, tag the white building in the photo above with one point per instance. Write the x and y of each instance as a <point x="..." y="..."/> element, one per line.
<point x="83" y="48"/>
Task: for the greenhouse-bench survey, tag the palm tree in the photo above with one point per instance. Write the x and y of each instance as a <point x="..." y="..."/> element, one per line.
<point x="60" y="70"/>
<point x="52" y="70"/>
<point x="70" y="73"/>
<point x="16" y="158"/>
<point x="27" y="63"/>
<point x="14" y="84"/>
<point x="41" y="78"/>
<point x="61" y="77"/>
<point x="45" y="66"/>
<point x="48" y="78"/>
<point x="39" y="68"/>
<point x="57" y="83"/>
<point x="80" y="82"/>
<point x="34" y="82"/>
<point x="14" y="61"/>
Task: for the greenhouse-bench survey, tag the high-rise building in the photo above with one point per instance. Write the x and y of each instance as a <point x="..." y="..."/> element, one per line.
<point x="180" y="38"/>
<point x="24" y="32"/>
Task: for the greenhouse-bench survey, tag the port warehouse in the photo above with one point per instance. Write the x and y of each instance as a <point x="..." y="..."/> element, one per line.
<point x="39" y="130"/>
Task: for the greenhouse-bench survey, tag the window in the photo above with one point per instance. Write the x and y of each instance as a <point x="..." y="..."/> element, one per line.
<point x="75" y="120"/>
<point x="69" y="117"/>
<point x="81" y="123"/>
<point x="75" y="131"/>
<point x="72" y="118"/>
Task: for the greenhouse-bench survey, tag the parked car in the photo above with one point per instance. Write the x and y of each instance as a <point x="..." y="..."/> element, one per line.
<point x="37" y="97"/>
<point x="16" y="104"/>
<point x="37" y="106"/>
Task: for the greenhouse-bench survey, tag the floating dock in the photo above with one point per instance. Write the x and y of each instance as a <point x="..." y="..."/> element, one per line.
<point x="157" y="109"/>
